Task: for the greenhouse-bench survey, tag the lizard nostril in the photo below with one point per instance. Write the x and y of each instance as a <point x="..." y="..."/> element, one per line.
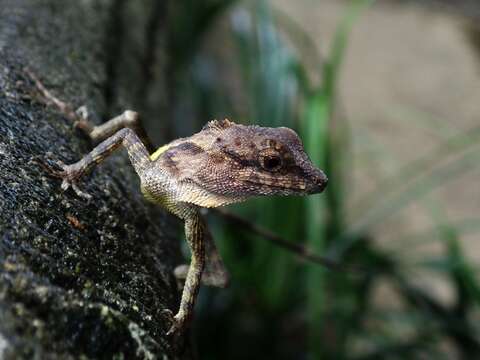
<point x="318" y="181"/>
<point x="322" y="181"/>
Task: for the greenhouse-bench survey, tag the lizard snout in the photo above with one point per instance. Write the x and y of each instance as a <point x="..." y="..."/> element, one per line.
<point x="320" y="181"/>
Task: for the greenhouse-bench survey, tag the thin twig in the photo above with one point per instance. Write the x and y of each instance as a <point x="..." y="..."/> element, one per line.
<point x="302" y="251"/>
<point x="52" y="99"/>
<point x="77" y="119"/>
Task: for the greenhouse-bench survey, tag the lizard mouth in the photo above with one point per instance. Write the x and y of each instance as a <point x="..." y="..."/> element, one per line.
<point x="311" y="184"/>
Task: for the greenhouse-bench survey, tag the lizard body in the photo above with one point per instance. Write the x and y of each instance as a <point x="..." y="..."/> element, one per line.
<point x="222" y="164"/>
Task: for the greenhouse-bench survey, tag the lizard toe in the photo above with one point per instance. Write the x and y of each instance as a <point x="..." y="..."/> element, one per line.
<point x="81" y="193"/>
<point x="52" y="167"/>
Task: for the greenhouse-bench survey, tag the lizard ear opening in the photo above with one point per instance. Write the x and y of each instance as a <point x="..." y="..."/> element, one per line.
<point x="218" y="124"/>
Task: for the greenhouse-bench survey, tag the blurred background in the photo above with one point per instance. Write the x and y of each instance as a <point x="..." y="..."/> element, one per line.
<point x="386" y="97"/>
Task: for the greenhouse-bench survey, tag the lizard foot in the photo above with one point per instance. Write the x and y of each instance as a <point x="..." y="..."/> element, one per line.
<point x="70" y="174"/>
<point x="178" y="322"/>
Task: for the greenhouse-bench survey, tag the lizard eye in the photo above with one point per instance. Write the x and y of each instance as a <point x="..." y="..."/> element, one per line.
<point x="271" y="162"/>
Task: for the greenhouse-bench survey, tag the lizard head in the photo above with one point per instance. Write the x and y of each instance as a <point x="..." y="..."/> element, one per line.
<point x="248" y="161"/>
<point x="227" y="162"/>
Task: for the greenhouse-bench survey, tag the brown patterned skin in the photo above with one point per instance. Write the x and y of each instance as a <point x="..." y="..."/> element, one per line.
<point x="222" y="164"/>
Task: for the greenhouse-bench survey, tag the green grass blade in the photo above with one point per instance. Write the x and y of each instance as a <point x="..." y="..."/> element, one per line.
<point x="315" y="129"/>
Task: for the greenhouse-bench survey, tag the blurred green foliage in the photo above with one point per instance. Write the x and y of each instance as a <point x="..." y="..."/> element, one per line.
<point x="278" y="307"/>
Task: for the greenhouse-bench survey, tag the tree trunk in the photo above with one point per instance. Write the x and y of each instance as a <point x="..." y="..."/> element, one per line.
<point x="79" y="279"/>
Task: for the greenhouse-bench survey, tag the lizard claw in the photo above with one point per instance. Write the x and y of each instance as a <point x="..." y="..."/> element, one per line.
<point x="177" y="322"/>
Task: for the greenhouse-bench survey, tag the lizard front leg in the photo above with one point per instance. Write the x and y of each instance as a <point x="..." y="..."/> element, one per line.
<point x="195" y="233"/>
<point x="136" y="151"/>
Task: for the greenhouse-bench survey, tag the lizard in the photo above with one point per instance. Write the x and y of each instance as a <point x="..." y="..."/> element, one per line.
<point x="224" y="163"/>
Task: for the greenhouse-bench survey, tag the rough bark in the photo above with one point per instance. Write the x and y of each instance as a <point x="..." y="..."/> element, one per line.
<point x="77" y="279"/>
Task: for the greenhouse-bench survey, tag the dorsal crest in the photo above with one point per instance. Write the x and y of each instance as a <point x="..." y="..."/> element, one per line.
<point x="218" y="124"/>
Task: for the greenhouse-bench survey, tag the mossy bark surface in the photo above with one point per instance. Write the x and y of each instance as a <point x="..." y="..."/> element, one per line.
<point x="78" y="279"/>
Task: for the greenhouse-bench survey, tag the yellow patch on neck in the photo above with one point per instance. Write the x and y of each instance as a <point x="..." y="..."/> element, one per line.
<point x="159" y="152"/>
